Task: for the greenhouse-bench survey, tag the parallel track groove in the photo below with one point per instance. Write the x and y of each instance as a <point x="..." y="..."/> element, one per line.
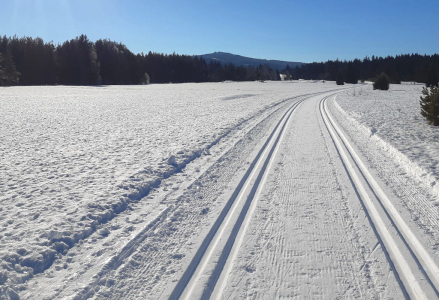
<point x="413" y="266"/>
<point x="231" y="219"/>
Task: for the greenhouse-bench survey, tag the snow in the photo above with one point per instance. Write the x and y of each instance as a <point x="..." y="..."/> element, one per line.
<point x="72" y="158"/>
<point x="391" y="129"/>
<point x="306" y="240"/>
<point x="400" y="148"/>
<point x="395" y="117"/>
<point x="109" y="192"/>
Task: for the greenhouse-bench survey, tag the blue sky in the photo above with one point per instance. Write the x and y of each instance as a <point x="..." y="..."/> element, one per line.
<point x="289" y="30"/>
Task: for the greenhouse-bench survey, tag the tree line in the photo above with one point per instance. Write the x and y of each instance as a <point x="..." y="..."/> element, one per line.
<point x="79" y="61"/>
<point x="409" y="67"/>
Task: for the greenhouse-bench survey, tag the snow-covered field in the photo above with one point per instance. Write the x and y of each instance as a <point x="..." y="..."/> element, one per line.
<point x="74" y="157"/>
<point x="124" y="192"/>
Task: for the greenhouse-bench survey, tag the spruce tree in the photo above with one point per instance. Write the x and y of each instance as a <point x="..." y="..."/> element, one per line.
<point x="381" y="82"/>
<point x="145" y="79"/>
<point x="10" y="74"/>
<point x="1" y="69"/>
<point x="432" y="79"/>
<point x="430" y="105"/>
<point x="395" y="78"/>
<point x="351" y="76"/>
<point x="340" y="80"/>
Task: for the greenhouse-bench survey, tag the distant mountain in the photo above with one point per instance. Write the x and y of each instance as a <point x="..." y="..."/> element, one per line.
<point x="238" y="60"/>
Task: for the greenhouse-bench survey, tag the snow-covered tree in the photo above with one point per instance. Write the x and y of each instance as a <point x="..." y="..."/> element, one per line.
<point x="145" y="79"/>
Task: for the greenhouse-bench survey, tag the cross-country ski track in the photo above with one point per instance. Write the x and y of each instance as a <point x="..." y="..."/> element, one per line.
<point x="228" y="225"/>
<point x="418" y="273"/>
<point x="286" y="209"/>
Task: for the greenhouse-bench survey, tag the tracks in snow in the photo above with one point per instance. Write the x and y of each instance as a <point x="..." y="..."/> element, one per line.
<point x="135" y="271"/>
<point x="417" y="273"/>
<point x="207" y="273"/>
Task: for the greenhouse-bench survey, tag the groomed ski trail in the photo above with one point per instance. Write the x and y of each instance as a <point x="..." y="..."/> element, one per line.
<point x="309" y="237"/>
<point x="228" y="225"/>
<point x="417" y="271"/>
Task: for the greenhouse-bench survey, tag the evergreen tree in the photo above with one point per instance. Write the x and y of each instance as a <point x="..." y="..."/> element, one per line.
<point x="381" y="82"/>
<point x="251" y="74"/>
<point x="1" y="69"/>
<point x="78" y="63"/>
<point x="351" y="76"/>
<point x="340" y="80"/>
<point x="430" y="105"/>
<point x="9" y="73"/>
<point x="145" y="79"/>
<point x="432" y="79"/>
<point x="395" y="78"/>
<point x="117" y="64"/>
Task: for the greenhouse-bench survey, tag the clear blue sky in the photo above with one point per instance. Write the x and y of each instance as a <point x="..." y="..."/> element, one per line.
<point x="304" y="31"/>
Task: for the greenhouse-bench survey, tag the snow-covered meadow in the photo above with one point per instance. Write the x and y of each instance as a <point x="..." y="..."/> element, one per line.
<point x="71" y="158"/>
<point x="76" y="165"/>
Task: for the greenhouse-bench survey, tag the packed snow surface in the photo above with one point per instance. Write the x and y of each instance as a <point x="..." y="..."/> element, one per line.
<point x="304" y="241"/>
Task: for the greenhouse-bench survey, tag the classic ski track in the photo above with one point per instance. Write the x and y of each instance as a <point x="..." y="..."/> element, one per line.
<point x="132" y="245"/>
<point x="303" y="240"/>
<point x="236" y="242"/>
<point x="246" y="196"/>
<point x="414" y="191"/>
<point x="408" y="276"/>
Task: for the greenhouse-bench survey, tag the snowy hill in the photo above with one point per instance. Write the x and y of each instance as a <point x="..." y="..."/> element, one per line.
<point x="238" y="60"/>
